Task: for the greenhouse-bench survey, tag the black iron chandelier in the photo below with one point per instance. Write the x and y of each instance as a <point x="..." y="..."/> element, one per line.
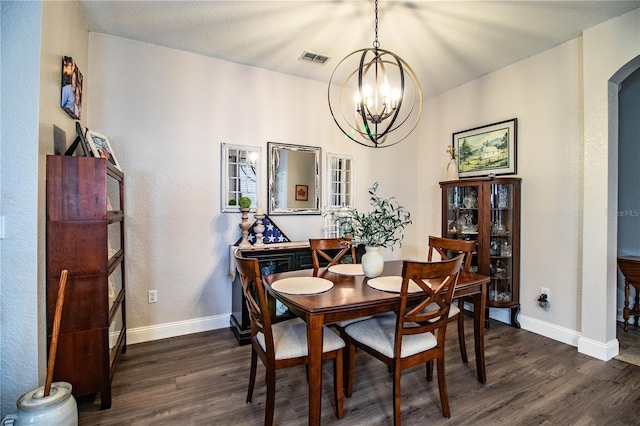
<point x="379" y="96"/>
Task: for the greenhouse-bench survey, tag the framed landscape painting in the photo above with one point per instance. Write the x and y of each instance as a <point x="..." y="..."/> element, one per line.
<point x="487" y="150"/>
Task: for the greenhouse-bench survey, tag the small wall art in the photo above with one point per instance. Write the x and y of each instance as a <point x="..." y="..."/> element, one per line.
<point x="71" y="94"/>
<point x="302" y="192"/>
<point x="487" y="150"/>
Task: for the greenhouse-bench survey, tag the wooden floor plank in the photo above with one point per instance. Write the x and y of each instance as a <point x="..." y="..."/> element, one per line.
<point x="201" y="379"/>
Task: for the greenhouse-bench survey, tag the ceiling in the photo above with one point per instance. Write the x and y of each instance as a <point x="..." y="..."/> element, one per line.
<point x="447" y="43"/>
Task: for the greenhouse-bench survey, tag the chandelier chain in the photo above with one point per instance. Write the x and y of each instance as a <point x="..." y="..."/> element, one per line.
<point x="376" y="43"/>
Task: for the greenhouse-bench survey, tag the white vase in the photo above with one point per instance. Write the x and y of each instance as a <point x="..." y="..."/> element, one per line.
<point x="452" y="170"/>
<point x="372" y="262"/>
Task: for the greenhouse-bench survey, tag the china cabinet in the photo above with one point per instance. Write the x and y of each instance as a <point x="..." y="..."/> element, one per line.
<point x="85" y="235"/>
<point x="487" y="210"/>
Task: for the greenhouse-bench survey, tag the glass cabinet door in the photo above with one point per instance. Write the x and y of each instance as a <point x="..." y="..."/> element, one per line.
<point x="501" y="243"/>
<point x="462" y="213"/>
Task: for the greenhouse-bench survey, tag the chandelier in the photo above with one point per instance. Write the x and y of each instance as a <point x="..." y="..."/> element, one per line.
<point x="380" y="94"/>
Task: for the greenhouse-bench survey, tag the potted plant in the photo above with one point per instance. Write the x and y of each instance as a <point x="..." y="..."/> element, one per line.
<point x="381" y="227"/>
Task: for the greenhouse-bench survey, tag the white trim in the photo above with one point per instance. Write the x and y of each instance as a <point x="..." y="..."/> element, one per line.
<point x="178" y="328"/>
<point x="552" y="331"/>
<point x="597" y="349"/>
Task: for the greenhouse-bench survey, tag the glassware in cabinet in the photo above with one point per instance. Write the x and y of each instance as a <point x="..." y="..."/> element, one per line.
<point x="488" y="211"/>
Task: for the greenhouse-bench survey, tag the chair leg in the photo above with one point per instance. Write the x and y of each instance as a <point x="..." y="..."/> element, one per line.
<point x="271" y="395"/>
<point x="396" y="396"/>
<point x="252" y="375"/>
<point x="429" y="365"/>
<point x="338" y="385"/>
<point x="461" y="340"/>
<point x="442" y="386"/>
<point x="351" y="368"/>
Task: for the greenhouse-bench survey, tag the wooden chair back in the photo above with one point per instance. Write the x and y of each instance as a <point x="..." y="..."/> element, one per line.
<point x="445" y="246"/>
<point x="320" y="247"/>
<point x="437" y="280"/>
<point x="256" y="300"/>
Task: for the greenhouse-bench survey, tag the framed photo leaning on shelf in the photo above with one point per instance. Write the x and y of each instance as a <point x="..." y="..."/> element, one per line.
<point x="487" y="150"/>
<point x="101" y="148"/>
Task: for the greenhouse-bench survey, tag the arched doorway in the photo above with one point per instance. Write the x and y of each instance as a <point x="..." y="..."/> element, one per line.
<point x="628" y="211"/>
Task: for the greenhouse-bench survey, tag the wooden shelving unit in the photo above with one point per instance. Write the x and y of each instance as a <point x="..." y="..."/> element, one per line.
<point x="86" y="236"/>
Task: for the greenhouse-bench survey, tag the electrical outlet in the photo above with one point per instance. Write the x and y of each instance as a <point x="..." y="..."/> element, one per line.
<point x="545" y="290"/>
<point x="153" y="296"/>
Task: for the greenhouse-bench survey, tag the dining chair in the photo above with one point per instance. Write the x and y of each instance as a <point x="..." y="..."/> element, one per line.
<point x="415" y="335"/>
<point x="282" y="344"/>
<point x="448" y="248"/>
<point x="331" y="249"/>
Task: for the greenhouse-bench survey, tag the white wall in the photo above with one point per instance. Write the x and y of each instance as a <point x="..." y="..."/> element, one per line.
<point x="166" y="112"/>
<point x="33" y="43"/>
<point x="20" y="341"/>
<point x="543" y="93"/>
<point x="607" y="48"/>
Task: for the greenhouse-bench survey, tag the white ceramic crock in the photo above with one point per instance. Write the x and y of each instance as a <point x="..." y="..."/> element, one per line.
<point x="34" y="409"/>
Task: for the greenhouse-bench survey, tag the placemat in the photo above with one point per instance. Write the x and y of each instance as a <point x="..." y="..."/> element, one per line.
<point x="392" y="284"/>
<point x="347" y="269"/>
<point x="302" y="285"/>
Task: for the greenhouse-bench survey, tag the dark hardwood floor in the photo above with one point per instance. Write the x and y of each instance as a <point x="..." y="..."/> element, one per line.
<point x="201" y="379"/>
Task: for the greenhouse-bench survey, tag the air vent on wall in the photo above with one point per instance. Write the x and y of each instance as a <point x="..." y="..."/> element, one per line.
<point x="313" y="57"/>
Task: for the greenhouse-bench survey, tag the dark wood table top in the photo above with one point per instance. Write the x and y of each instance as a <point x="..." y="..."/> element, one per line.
<point x="351" y="292"/>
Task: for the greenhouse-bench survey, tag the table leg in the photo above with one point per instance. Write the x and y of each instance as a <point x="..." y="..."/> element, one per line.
<point x="625" y="310"/>
<point x="314" y="340"/>
<point x="636" y="307"/>
<point x="480" y="304"/>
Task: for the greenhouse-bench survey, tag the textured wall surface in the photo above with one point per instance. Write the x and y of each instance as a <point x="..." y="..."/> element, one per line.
<point x="19" y="298"/>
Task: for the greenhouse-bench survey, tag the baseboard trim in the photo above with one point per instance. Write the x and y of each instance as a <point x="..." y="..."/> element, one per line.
<point x="552" y="331"/>
<point x="599" y="350"/>
<point x="570" y="337"/>
<point x="174" y="329"/>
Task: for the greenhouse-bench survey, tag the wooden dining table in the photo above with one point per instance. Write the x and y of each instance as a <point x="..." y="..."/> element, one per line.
<point x="350" y="298"/>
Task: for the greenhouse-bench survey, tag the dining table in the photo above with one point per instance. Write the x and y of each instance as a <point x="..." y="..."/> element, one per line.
<point x="351" y="297"/>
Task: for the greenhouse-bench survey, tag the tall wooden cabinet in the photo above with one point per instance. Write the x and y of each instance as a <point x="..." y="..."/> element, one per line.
<point x="85" y="235"/>
<point x="488" y="211"/>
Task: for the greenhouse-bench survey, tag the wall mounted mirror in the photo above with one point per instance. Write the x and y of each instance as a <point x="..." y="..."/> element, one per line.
<point x="239" y="175"/>
<point x="341" y="171"/>
<point x="294" y="179"/>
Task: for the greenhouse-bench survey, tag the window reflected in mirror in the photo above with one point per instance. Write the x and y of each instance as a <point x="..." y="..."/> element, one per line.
<point x="341" y="173"/>
<point x="239" y="175"/>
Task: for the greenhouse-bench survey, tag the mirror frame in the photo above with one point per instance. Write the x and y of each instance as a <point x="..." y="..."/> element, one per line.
<point x="272" y="161"/>
<point x="224" y="175"/>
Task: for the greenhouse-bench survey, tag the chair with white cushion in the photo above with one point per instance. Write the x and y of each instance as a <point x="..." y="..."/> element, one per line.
<point x="448" y="248"/>
<point x="333" y="250"/>
<point x="283" y="344"/>
<point x="415" y="335"/>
